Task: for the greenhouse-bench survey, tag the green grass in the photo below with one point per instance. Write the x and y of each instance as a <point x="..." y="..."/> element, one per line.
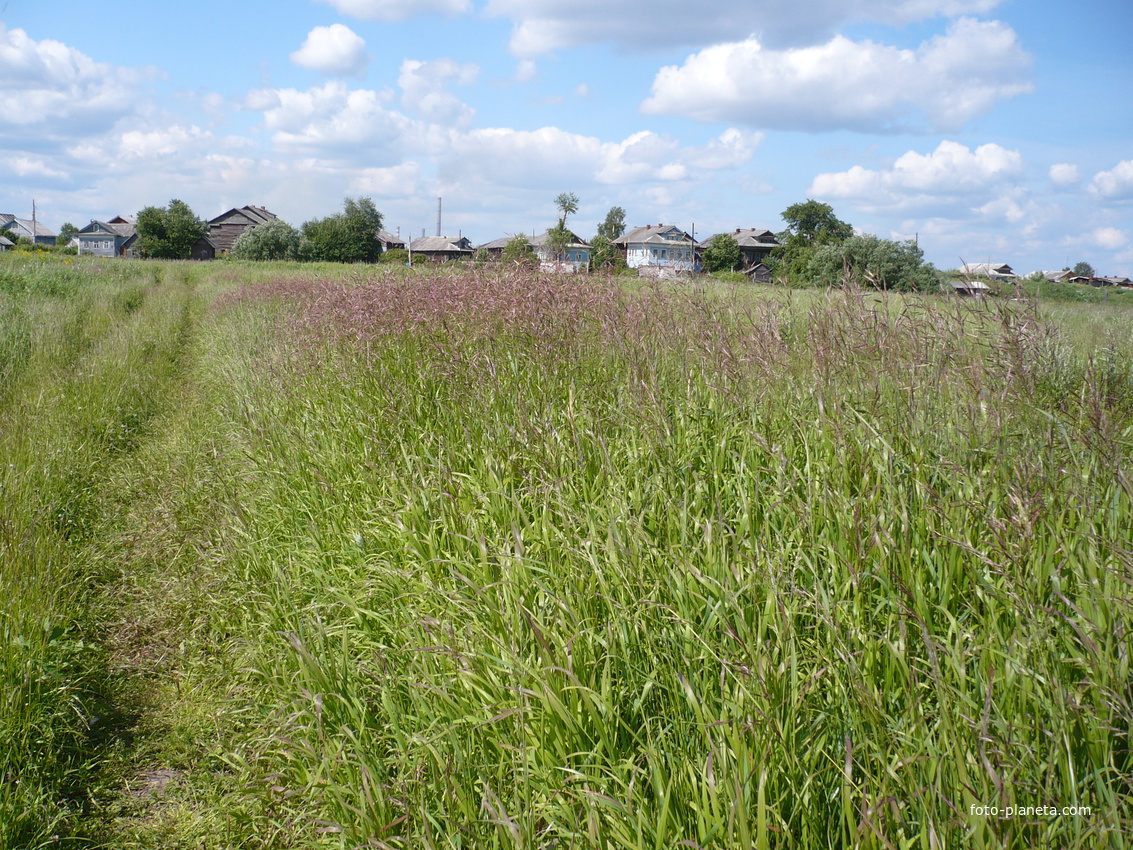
<point x="436" y="559"/>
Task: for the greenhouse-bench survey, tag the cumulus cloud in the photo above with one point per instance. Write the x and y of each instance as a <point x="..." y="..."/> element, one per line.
<point x="336" y="122"/>
<point x="952" y="170"/>
<point x="1117" y="183"/>
<point x="50" y="92"/>
<point x="398" y="10"/>
<point x="1064" y="174"/>
<point x="542" y="26"/>
<point x="846" y="84"/>
<point x="424" y="90"/>
<point x="1110" y="238"/>
<point x="335" y="50"/>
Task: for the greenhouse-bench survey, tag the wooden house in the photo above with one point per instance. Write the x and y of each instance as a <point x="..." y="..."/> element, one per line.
<point x="226" y="228"/>
<point x="991" y="270"/>
<point x="440" y="249"/>
<point x="5" y="243"/>
<point x="389" y="241"/>
<point x="20" y="228"/>
<point x="575" y="256"/>
<point x="756" y="245"/>
<point x="115" y="238"/>
<point x="659" y="250"/>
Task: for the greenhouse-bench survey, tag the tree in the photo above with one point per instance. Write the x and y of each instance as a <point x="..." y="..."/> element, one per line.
<point x="519" y="251"/>
<point x="877" y="263"/>
<point x="350" y="236"/>
<point x="558" y="237"/>
<point x="810" y="225"/>
<point x="815" y="223"/>
<point x="614" y="225"/>
<point x="1083" y="269"/>
<point x="66" y="233"/>
<point x="275" y="240"/>
<point x="168" y="233"/>
<point x="722" y="254"/>
<point x="603" y="254"/>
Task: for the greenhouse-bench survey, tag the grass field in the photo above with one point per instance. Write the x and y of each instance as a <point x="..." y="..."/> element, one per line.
<point x="339" y="557"/>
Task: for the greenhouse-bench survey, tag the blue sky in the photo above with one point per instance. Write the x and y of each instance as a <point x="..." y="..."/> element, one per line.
<point x="990" y="129"/>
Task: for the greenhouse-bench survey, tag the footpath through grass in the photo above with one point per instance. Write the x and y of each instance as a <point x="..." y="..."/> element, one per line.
<point x="481" y="560"/>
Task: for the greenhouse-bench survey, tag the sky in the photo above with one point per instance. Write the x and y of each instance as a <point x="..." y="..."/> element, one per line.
<point x="987" y="130"/>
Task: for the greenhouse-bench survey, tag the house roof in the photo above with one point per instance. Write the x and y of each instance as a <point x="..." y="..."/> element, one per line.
<point x="642" y="234"/>
<point x="543" y="238"/>
<point x="255" y="215"/>
<point x="6" y="242"/>
<point x="987" y="269"/>
<point x="387" y="238"/>
<point x="442" y="244"/>
<point x="498" y="244"/>
<point x="751" y="237"/>
<point x="99" y="228"/>
<point x="23" y="226"/>
<point x="965" y="285"/>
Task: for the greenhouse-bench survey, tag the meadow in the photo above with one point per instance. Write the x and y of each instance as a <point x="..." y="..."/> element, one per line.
<point x="332" y="556"/>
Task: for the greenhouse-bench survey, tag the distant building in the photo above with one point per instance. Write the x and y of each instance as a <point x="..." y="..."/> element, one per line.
<point x="990" y="270"/>
<point x="575" y="256"/>
<point x="440" y="249"/>
<point x="389" y="242"/>
<point x="115" y="238"/>
<point x="226" y="228"/>
<point x="756" y="245"/>
<point x="21" y="228"/>
<point x="968" y="287"/>
<point x="5" y="243"/>
<point x="659" y="250"/>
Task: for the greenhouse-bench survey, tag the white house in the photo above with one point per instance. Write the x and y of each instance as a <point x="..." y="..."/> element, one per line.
<point x="660" y="250"/>
<point x="575" y="256"/>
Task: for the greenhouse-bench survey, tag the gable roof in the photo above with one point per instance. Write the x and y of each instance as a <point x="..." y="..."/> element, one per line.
<point x="5" y="242"/>
<point x="750" y="238"/>
<point x="388" y="239"/>
<point x="987" y="269"/>
<point x="251" y="214"/>
<point x="660" y="232"/>
<point x="441" y="244"/>
<point x="543" y="238"/>
<point x="23" y="226"/>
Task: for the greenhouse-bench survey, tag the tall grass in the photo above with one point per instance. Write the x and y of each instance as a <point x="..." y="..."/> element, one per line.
<point x="498" y="560"/>
<point x="517" y="562"/>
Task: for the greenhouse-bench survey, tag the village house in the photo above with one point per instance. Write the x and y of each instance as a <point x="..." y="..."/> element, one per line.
<point x="115" y="238"/>
<point x="20" y="228"/>
<point x="226" y="228"/>
<point x="658" y="250"/>
<point x="495" y="248"/>
<point x="575" y="256"/>
<point x="5" y="243"/>
<point x="440" y="249"/>
<point x="389" y="241"/>
<point x="991" y="270"/>
<point x="756" y="245"/>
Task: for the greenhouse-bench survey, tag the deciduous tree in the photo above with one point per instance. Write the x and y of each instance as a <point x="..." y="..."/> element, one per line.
<point x="168" y="233"/>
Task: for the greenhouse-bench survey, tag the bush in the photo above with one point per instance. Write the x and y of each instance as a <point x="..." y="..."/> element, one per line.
<point x="395" y="256"/>
<point x="347" y="237"/>
<point x="276" y="240"/>
<point x="722" y="253"/>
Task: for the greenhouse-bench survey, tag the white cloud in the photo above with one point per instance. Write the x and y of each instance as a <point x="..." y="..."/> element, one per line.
<point x="23" y="166"/>
<point x="542" y="26"/>
<point x="51" y="92"/>
<point x="334" y="50"/>
<point x="845" y="84"/>
<point x="399" y="181"/>
<point x="423" y="86"/>
<point x="1064" y="174"/>
<point x="1117" y="183"/>
<point x="335" y="122"/>
<point x="952" y="170"/>
<point x="525" y="71"/>
<point x="1110" y="238"/>
<point x="398" y="10"/>
<point x="582" y="90"/>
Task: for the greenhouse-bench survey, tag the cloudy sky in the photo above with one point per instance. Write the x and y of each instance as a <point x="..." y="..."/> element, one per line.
<point x="989" y="129"/>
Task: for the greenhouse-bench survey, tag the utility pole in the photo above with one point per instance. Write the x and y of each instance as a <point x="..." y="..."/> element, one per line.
<point x="34" y="226"/>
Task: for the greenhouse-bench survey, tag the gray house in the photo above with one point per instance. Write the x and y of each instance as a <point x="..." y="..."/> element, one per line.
<point x="115" y="238"/>
<point x="24" y="229"/>
<point x="756" y="244"/>
<point x="992" y="270"/>
<point x="440" y="249"/>
<point x="5" y="243"/>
